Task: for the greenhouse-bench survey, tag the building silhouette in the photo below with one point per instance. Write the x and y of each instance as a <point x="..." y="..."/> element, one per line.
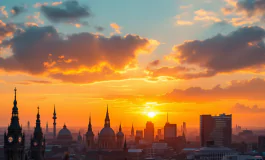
<point x="149" y="132"/>
<point x="170" y="131"/>
<point x="37" y="144"/>
<point x="14" y="139"/>
<point x="132" y="131"/>
<point x="54" y="123"/>
<point x="120" y="138"/>
<point x="89" y="136"/>
<point x="216" y="130"/>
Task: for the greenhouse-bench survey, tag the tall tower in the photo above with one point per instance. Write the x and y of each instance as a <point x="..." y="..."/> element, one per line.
<point x="28" y="126"/>
<point x="132" y="131"/>
<point x="47" y="128"/>
<point x="107" y="120"/>
<point x="120" y="137"/>
<point x="14" y="139"/>
<point x="37" y="144"/>
<point x="54" y="123"/>
<point x="89" y="135"/>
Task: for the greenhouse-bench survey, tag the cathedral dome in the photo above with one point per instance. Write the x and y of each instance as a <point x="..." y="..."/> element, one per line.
<point x="107" y="132"/>
<point x="64" y="134"/>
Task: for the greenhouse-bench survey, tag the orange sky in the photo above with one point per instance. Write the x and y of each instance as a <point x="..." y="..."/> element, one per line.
<point x="192" y="58"/>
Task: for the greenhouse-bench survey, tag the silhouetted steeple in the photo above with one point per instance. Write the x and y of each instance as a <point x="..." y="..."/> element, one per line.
<point x="120" y="128"/>
<point x="38" y="127"/>
<point x="125" y="145"/>
<point x="107" y="120"/>
<point x="14" y="120"/>
<point x="132" y="131"/>
<point x="89" y="124"/>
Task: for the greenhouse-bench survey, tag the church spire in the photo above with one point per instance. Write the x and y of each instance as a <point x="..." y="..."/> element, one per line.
<point x="38" y="127"/>
<point x="14" y="120"/>
<point x="89" y="124"/>
<point x="107" y="119"/>
<point x="132" y="131"/>
<point x="120" y="128"/>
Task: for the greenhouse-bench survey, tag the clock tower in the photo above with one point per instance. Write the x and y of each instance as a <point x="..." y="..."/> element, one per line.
<point x="14" y="139"/>
<point x="37" y="145"/>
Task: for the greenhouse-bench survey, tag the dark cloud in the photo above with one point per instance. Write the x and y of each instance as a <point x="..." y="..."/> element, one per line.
<point x="245" y="89"/>
<point x="241" y="108"/>
<point x="241" y="49"/>
<point x="82" y="57"/>
<point x="67" y="11"/>
<point x="252" y="7"/>
<point x="16" y="10"/>
<point x="154" y="63"/>
<point x="99" y="28"/>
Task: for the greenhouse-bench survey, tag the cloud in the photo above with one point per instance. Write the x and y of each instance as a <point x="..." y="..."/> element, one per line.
<point x="245" y="89"/>
<point x="6" y="30"/>
<point x="116" y="27"/>
<point x="37" y="5"/>
<point x="252" y="89"/>
<point x="35" y="18"/>
<point x="203" y="15"/>
<point x="244" y="12"/>
<point x="241" y="108"/>
<point x="79" y="58"/>
<point x="184" y="23"/>
<point x="16" y="10"/>
<point x="99" y="28"/>
<point x="186" y="7"/>
<point x="28" y="82"/>
<point x="154" y="63"/>
<point x="252" y="7"/>
<point x="3" y="11"/>
<point x="66" y="11"/>
<point x="241" y="49"/>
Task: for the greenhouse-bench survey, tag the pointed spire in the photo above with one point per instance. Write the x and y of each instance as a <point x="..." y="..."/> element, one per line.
<point x="54" y="112"/>
<point x="107" y="120"/>
<point x="120" y="128"/>
<point x="15" y="99"/>
<point x="132" y="131"/>
<point x="38" y="127"/>
<point x="125" y="145"/>
<point x="89" y="124"/>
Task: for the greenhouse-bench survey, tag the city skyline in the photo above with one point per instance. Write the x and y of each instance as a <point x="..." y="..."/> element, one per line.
<point x="193" y="58"/>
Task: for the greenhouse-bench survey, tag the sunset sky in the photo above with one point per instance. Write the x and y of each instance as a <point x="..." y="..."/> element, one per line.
<point x="184" y="57"/>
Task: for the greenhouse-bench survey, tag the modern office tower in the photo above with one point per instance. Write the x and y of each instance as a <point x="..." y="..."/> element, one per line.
<point x="149" y="132"/>
<point x="184" y="128"/>
<point x="170" y="131"/>
<point x="216" y="130"/>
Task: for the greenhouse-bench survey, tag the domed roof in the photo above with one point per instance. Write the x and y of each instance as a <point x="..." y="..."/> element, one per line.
<point x="107" y="131"/>
<point x="120" y="134"/>
<point x="65" y="134"/>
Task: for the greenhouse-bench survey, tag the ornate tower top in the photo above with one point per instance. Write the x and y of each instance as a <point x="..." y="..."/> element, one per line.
<point x="107" y="119"/>
<point x="89" y="124"/>
<point x="38" y="131"/>
<point x="54" y="113"/>
<point x="14" y="120"/>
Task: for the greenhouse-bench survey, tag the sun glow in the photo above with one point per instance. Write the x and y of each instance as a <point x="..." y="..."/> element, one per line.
<point x="151" y="114"/>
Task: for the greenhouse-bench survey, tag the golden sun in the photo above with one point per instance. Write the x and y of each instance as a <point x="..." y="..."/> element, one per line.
<point x="151" y="114"/>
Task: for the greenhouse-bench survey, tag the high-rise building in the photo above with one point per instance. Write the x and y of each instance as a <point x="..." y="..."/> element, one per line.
<point x="37" y="144"/>
<point x="184" y="128"/>
<point x="140" y="134"/>
<point x="14" y="139"/>
<point x="261" y="144"/>
<point x="216" y="129"/>
<point x="47" y="128"/>
<point x="170" y="131"/>
<point x="149" y="132"/>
